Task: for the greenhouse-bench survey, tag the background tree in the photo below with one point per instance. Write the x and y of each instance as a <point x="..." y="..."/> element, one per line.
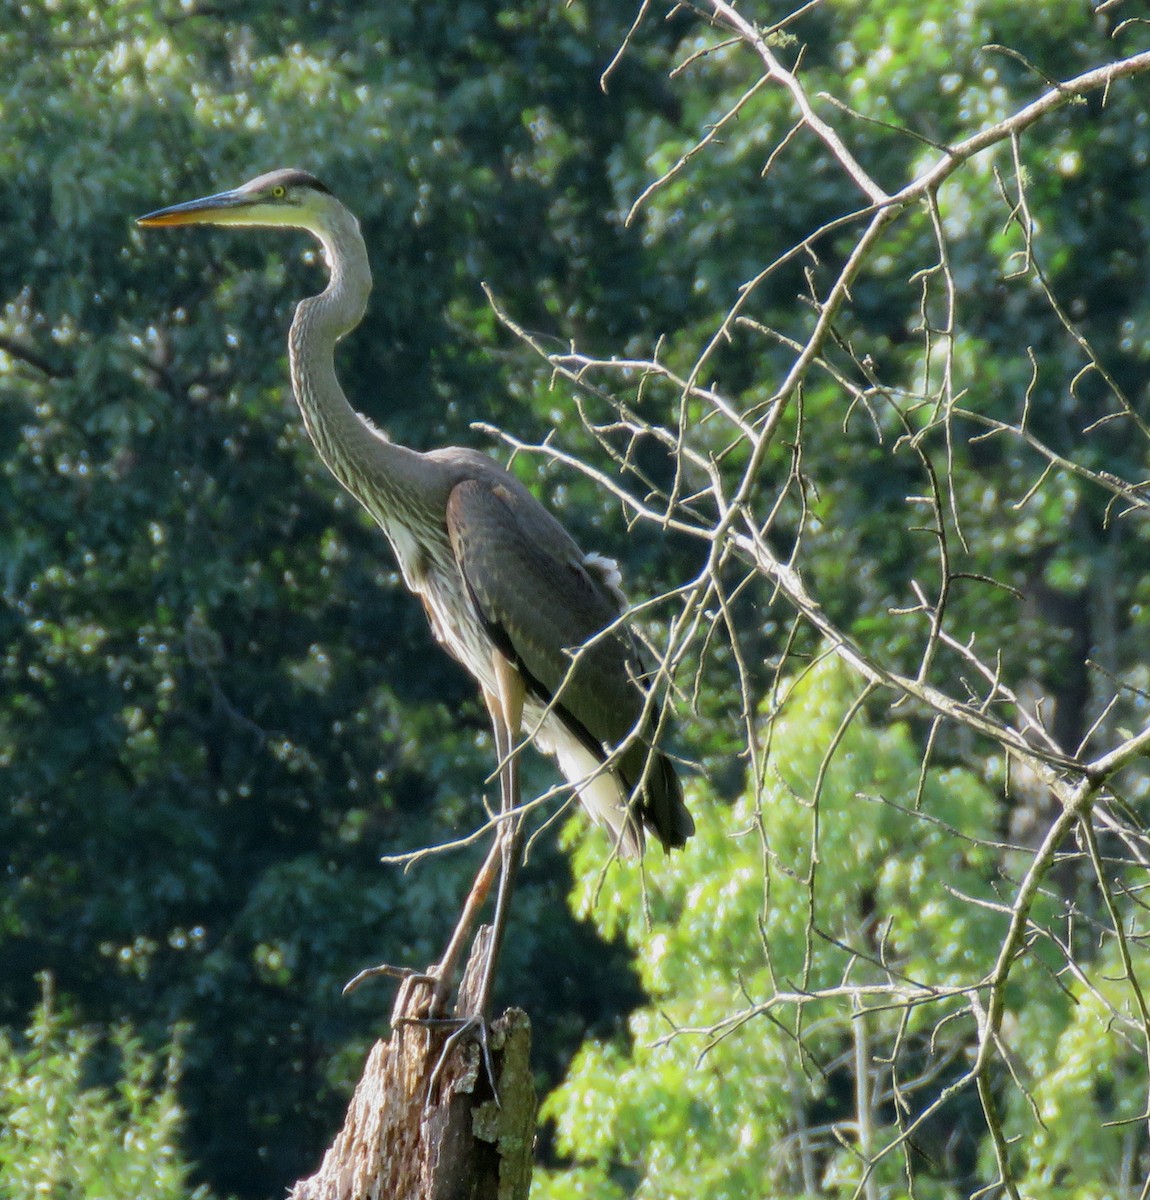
<point x="842" y="328"/>
<point x="928" y="469"/>
<point x="219" y="708"/>
<point x="86" y="1113"/>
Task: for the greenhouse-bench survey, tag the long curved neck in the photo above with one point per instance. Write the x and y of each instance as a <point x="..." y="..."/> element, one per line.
<point x="380" y="474"/>
<point x="320" y="321"/>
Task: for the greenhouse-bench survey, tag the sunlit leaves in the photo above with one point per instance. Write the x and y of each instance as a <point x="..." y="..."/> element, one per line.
<point x="846" y="869"/>
<point x="88" y="1116"/>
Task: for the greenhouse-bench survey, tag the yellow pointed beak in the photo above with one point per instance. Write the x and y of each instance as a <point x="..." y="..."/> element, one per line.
<point x="205" y="211"/>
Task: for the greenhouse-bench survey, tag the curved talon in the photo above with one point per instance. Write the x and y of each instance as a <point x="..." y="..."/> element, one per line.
<point x="405" y="1000"/>
<point x="464" y="1026"/>
<point x="402" y="973"/>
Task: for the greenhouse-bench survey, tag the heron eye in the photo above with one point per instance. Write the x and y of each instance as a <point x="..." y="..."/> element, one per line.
<point x="279" y="192"/>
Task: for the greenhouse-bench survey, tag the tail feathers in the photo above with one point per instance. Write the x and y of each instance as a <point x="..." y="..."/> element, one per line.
<point x="606" y="795"/>
<point x="660" y="804"/>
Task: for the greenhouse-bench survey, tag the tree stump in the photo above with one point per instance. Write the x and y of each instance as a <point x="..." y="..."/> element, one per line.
<point x="461" y="1141"/>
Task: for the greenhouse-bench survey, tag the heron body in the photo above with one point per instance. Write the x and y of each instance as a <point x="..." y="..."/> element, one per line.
<point x="508" y="592"/>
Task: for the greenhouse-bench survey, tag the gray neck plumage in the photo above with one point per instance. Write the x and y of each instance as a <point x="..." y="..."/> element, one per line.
<point x="339" y="434"/>
<point x="399" y="487"/>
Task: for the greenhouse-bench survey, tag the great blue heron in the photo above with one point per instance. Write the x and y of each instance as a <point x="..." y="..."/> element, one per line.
<point x="508" y="592"/>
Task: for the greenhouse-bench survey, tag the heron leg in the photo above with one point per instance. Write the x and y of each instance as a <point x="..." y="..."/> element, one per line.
<point x="440" y="976"/>
<point x="444" y="973"/>
<point x="506" y="711"/>
<point x="507" y="719"/>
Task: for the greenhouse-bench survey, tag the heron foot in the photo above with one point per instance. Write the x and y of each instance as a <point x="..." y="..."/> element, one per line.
<point x="409" y="1004"/>
<point x="461" y="1028"/>
<point x="401" y="973"/>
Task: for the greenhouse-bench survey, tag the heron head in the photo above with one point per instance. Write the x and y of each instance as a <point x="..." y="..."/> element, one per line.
<point x="287" y="197"/>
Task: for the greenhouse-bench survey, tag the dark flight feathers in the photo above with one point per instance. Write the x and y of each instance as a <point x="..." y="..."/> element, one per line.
<point x="541" y="603"/>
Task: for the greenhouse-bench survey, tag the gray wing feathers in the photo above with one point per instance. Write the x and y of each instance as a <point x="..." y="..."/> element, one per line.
<point x="545" y="609"/>
<point x="543" y="604"/>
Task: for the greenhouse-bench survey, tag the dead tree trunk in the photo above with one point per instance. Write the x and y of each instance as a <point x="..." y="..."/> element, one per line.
<point x="421" y="1129"/>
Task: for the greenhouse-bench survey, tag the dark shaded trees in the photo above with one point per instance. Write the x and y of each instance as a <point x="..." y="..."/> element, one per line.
<point x="217" y="708"/>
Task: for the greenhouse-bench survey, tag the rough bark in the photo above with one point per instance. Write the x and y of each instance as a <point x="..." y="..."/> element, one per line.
<point x="425" y="1123"/>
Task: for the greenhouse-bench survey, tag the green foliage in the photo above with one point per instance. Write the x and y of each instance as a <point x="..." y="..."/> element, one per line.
<point x="1089" y="1088"/>
<point x="88" y="1115"/>
<point x="739" y="1077"/>
<point x="742" y="1076"/>
<point x="730" y="942"/>
<point x="218" y="708"/>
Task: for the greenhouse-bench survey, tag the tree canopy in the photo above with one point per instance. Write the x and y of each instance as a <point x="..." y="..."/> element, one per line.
<point x="831" y="325"/>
